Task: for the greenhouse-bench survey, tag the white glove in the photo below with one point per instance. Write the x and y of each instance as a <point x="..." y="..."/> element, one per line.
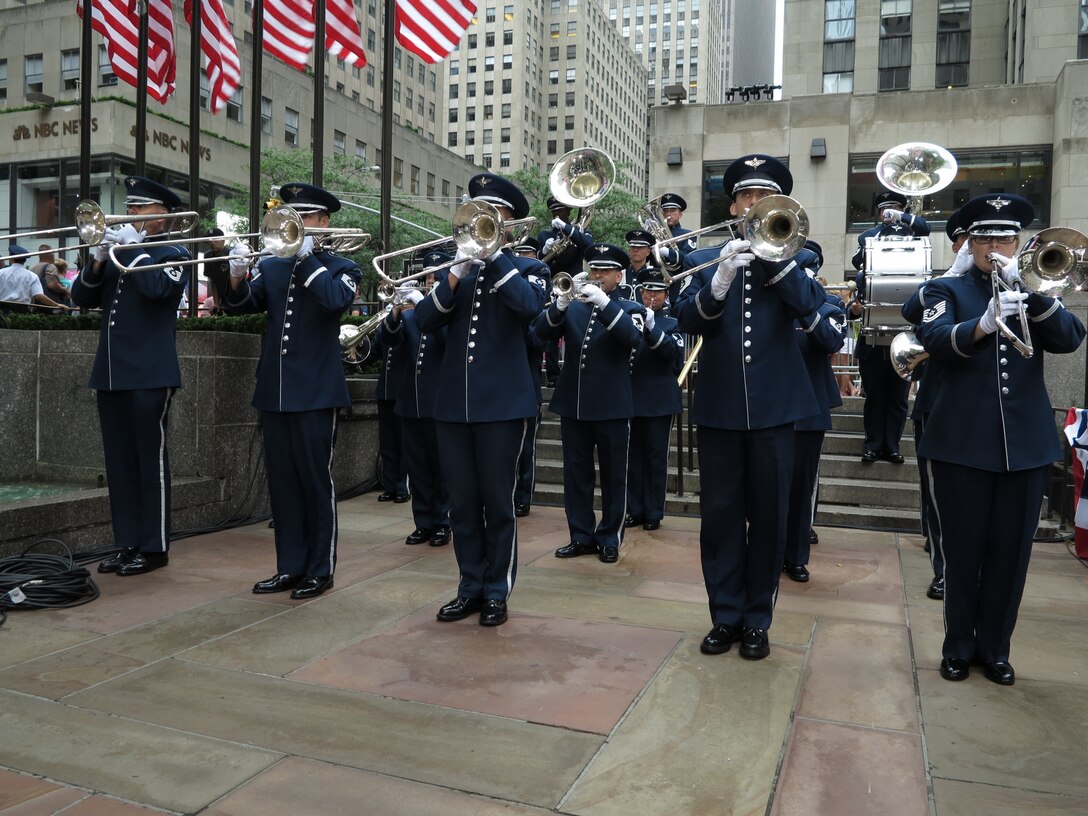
<point x="733" y="256"/>
<point x="128" y="234"/>
<point x="892" y="216"/>
<point x="562" y="302"/>
<point x="562" y="226"/>
<point x="592" y="294"/>
<point x="670" y="256"/>
<point x="307" y="248"/>
<point x="239" y="264"/>
<point x="649" y="319"/>
<point x="413" y="296"/>
<point x="548" y="245"/>
<point x="1010" y="269"/>
<point x="964" y="261"/>
<point x="462" y="264"/>
<point x="1009" y="303"/>
<point x="109" y="238"/>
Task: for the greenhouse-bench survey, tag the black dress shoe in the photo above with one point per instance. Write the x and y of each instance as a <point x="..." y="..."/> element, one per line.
<point x="631" y="521"/>
<point x="401" y="498"/>
<point x="277" y="583"/>
<point x="955" y="669"/>
<point x="140" y="563"/>
<point x="754" y="644"/>
<point x="796" y="572"/>
<point x="493" y="614"/>
<point x="720" y="639"/>
<point x="441" y="536"/>
<point x="459" y="609"/>
<point x="576" y="548"/>
<point x="521" y="510"/>
<point x="385" y="495"/>
<point x="116" y="561"/>
<point x="420" y="535"/>
<point x="936" y="588"/>
<point x="311" y="587"/>
<point x="999" y="672"/>
<point x="813" y="538"/>
<point x="609" y="555"/>
<point x="869" y="456"/>
<point x="652" y="524"/>
<point x="895" y="458"/>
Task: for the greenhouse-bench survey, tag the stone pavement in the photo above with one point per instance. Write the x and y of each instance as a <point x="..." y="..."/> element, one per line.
<point x="180" y="691"/>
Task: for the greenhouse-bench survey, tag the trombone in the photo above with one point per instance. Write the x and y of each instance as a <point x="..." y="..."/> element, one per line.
<point x="91" y="224"/>
<point x="282" y="233"/>
<point x="580" y="178"/>
<point x="479" y="231"/>
<point x="776" y="226"/>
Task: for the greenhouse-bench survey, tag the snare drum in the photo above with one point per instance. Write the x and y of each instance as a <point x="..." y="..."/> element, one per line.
<point x="894" y="269"/>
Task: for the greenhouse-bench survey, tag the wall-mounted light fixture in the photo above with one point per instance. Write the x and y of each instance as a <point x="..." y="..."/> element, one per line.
<point x="675" y="93"/>
<point x="675" y="157"/>
<point x="818" y="149"/>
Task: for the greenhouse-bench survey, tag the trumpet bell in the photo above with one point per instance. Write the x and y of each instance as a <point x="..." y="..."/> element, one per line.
<point x="582" y="177"/>
<point x="916" y="168"/>
<point x="906" y="353"/>
<point x="777" y="227"/>
<point x="1052" y="261"/>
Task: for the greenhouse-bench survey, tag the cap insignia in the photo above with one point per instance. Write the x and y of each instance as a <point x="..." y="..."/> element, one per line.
<point x="755" y="163"/>
<point x="293" y="191"/>
<point x="998" y="203"/>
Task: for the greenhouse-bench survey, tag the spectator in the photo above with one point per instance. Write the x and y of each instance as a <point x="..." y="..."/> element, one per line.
<point x="217" y="269"/>
<point x="19" y="285"/>
<point x="50" y="276"/>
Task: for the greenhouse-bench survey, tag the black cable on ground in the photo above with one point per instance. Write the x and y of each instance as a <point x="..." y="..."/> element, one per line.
<point x="39" y="580"/>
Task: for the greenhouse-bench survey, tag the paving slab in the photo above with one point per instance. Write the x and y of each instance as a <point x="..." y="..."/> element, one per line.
<point x="479" y="753"/>
<point x="571" y="673"/>
<point x="970" y="798"/>
<point x="705" y="738"/>
<point x="25" y="636"/>
<point x="136" y="761"/>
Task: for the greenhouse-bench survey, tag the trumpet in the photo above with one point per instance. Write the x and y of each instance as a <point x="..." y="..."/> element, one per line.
<point x="351" y="336"/>
<point x="398" y="295"/>
<point x="479" y="231"/>
<point x="580" y="178"/>
<point x="776" y="226"/>
<point x="565" y="285"/>
<point x="282" y="234"/>
<point x="91" y="224"/>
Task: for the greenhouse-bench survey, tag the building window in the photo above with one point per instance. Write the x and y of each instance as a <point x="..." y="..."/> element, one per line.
<point x="234" y="105"/>
<point x="452" y="140"/>
<point x="339" y="142"/>
<point x="69" y="69"/>
<point x="33" y="73"/>
<point x="414" y="179"/>
<point x="455" y="91"/>
<point x="1082" y="38"/>
<point x="507" y="85"/>
<point x="266" y="115"/>
<point x="504" y="134"/>
<point x="3" y="82"/>
<point x="572" y="28"/>
<point x="553" y="77"/>
<point x="490" y="15"/>
<point x="1027" y="170"/>
<point x="507" y="61"/>
<point x="205" y="93"/>
<point x="572" y="52"/>
<point x="290" y="126"/>
<point x="551" y="146"/>
<point x="838" y="47"/>
<point x="504" y="160"/>
<point x="360" y="150"/>
<point x="398" y="173"/>
<point x="489" y="87"/>
<point x="572" y="74"/>
<point x="430" y="185"/>
<point x="508" y="37"/>
<point x="895" y="38"/>
<point x="954" y="41"/>
<point x="489" y="63"/>
<point x="453" y="115"/>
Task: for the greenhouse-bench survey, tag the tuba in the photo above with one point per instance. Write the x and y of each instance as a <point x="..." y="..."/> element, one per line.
<point x="579" y="179"/>
<point x="916" y="169"/>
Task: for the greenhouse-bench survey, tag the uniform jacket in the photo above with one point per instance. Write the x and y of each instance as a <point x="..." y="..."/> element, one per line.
<point x="300" y="367"/>
<point x="136" y="343"/>
<point x="485" y="372"/>
<point x="595" y="381"/>
<point x="820" y="334"/>
<point x="991" y="411"/>
<point x="686" y="246"/>
<point x="657" y="362"/>
<point x="928" y="372"/>
<point x="910" y="226"/>
<point x="751" y="374"/>
<point x="570" y="259"/>
<point x="417" y="356"/>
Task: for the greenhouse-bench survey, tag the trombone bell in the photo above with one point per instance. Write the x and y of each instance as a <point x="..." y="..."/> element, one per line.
<point x="1053" y="261"/>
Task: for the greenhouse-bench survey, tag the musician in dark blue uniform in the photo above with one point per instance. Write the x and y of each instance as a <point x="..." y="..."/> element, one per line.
<point x="488" y="402"/>
<point x="886" y="395"/>
<point x="673" y="206"/>
<point x="392" y="470"/>
<point x="752" y="387"/>
<point x="529" y="247"/>
<point x="640" y="244"/>
<point x="593" y="398"/>
<point x="819" y="335"/>
<point x="990" y="438"/>
<point x="420" y="354"/>
<point x="136" y="372"/>
<point x="569" y="260"/>
<point x="656" y="400"/>
<point x="927" y="374"/>
<point x="300" y="386"/>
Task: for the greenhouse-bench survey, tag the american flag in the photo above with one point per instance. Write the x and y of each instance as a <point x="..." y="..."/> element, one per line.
<point x="119" y="24"/>
<point x="343" y="37"/>
<point x="431" y="29"/>
<point x="289" y="31"/>
<point x="221" y="61"/>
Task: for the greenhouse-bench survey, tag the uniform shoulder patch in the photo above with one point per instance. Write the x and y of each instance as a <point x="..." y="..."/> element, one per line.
<point x="538" y="281"/>
<point x="639" y="320"/>
<point x="934" y="312"/>
<point x="687" y="282"/>
<point x="174" y="273"/>
<point x="349" y="283"/>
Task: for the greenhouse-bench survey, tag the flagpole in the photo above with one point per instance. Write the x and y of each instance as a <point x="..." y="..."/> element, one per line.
<point x="86" y="82"/>
<point x="387" y="122"/>
<point x="255" y="194"/>
<point x="141" y="90"/>
<point x="320" y="59"/>
<point x="195" y="35"/>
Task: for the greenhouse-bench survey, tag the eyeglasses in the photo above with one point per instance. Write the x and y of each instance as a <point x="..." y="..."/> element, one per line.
<point x="1004" y="240"/>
